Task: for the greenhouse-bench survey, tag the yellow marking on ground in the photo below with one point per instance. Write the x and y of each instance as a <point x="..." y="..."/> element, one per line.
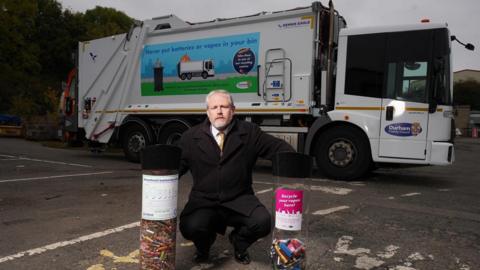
<point x="96" y="267"/>
<point x="187" y="244"/>
<point x="130" y="258"/>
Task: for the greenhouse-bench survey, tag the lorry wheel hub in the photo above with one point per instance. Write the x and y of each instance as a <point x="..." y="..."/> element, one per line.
<point x="341" y="153"/>
<point x="136" y="143"/>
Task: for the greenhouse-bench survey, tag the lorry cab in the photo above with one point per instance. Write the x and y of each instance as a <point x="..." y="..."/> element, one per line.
<point x="394" y="84"/>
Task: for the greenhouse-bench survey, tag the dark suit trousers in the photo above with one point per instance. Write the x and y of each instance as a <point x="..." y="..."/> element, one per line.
<point x="202" y="225"/>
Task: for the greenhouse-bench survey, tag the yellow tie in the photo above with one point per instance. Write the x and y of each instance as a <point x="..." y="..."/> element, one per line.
<point x="220" y="140"/>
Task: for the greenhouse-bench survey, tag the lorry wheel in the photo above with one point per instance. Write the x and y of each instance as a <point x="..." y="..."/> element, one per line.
<point x="189" y="76"/>
<point x="135" y="139"/>
<point x="183" y="76"/>
<point x="204" y="75"/>
<point x="343" y="153"/>
<point x="171" y="133"/>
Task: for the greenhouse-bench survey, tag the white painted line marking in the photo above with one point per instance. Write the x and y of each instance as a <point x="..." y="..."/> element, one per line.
<point x="52" y="177"/>
<point x="389" y="252"/>
<point x="343" y="247"/>
<point x="6" y="159"/>
<point x="330" y="210"/>
<point x="417" y="256"/>
<point x="391" y="198"/>
<point x="411" y="194"/>
<point x="264" y="191"/>
<point x="262" y="182"/>
<point x="332" y="190"/>
<point x="322" y="180"/>
<point x="462" y="266"/>
<point x="443" y="189"/>
<point x="359" y="184"/>
<point x="47" y="161"/>
<point x="366" y="262"/>
<point x="80" y="239"/>
<point x="401" y="267"/>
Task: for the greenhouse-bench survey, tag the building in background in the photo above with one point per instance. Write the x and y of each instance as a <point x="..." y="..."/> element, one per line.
<point x="465" y="119"/>
<point x="466" y="74"/>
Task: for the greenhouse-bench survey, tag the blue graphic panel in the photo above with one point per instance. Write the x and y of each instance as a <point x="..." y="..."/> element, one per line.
<point x="230" y="54"/>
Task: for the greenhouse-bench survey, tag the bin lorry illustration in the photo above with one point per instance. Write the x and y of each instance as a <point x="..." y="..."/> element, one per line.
<point x="189" y="69"/>
<point x="349" y="97"/>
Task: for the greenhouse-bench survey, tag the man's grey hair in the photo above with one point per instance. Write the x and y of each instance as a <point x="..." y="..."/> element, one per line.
<point x="221" y="91"/>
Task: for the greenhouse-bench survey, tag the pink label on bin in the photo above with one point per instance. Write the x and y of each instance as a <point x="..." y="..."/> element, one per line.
<point x="289" y="201"/>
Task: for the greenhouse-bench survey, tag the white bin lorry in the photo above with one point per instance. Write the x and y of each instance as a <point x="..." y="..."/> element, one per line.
<point x="189" y="69"/>
<point x="350" y="97"/>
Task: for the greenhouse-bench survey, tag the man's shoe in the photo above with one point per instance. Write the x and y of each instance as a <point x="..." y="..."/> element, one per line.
<point x="201" y="257"/>
<point x="242" y="257"/>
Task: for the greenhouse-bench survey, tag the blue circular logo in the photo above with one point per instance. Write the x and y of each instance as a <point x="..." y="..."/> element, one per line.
<point x="244" y="60"/>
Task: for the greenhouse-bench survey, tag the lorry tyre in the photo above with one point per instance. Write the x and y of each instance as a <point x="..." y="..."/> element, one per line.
<point x="134" y="140"/>
<point x="171" y="133"/>
<point x="204" y="75"/>
<point x="189" y="76"/>
<point x="183" y="76"/>
<point x="343" y="153"/>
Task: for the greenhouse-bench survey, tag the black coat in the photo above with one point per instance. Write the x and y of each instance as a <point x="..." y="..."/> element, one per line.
<point x="226" y="179"/>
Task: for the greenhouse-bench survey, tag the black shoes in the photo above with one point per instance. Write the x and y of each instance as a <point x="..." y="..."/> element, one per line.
<point x="201" y="257"/>
<point x="240" y="257"/>
<point x="203" y="248"/>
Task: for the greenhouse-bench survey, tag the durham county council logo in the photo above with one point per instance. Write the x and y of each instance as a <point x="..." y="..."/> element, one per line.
<point x="404" y="129"/>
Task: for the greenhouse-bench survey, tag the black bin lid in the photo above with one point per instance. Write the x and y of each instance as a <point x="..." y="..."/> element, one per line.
<point x="161" y="156"/>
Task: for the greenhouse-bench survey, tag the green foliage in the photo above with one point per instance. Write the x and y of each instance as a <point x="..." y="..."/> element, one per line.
<point x="37" y="44"/>
<point x="24" y="106"/>
<point x="467" y="93"/>
<point x="102" y="22"/>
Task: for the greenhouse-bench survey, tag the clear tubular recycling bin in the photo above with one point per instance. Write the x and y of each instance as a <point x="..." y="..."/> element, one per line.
<point x="158" y="227"/>
<point x="291" y="172"/>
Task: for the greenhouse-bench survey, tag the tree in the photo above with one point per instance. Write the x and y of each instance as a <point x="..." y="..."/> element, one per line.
<point x="18" y="53"/>
<point x="38" y="40"/>
<point x="53" y="37"/>
<point x="103" y="21"/>
<point x="467" y="92"/>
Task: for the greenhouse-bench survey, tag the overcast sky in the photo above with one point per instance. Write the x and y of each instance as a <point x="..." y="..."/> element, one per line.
<point x="463" y="16"/>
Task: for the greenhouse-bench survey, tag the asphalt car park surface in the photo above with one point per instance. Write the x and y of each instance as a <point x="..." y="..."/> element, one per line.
<point x="71" y="209"/>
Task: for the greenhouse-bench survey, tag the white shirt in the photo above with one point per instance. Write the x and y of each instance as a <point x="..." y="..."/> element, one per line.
<point x="215" y="131"/>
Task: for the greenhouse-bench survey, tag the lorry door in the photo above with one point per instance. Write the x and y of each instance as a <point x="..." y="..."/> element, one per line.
<point x="405" y="115"/>
<point x="404" y="121"/>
